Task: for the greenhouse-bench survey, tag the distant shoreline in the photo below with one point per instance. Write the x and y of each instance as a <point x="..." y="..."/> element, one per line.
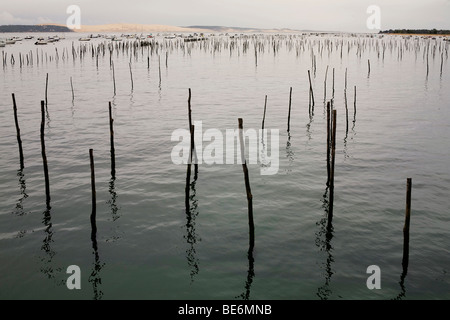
<point x="419" y="32"/>
<point x="33" y="28"/>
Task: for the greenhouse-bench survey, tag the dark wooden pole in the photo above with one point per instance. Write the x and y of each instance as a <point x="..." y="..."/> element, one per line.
<point x="333" y="154"/>
<point x="111" y="135"/>
<point x="131" y="76"/>
<point x="328" y="141"/>
<point x="191" y="127"/>
<point x="94" y="197"/>
<point x="247" y="187"/>
<point x="71" y="85"/>
<point x="44" y="156"/>
<point x="191" y="154"/>
<point x="325" y="86"/>
<point x="187" y="188"/>
<point x="46" y="88"/>
<point x="333" y="146"/>
<point x="354" y="106"/>
<point x="19" y="140"/>
<point x="189" y="109"/>
<point x="346" y="112"/>
<point x="289" y="114"/>
<point x="311" y="88"/>
<point x="159" y="64"/>
<point x="188" y="172"/>
<point x="264" y="115"/>
<point x="405" y="260"/>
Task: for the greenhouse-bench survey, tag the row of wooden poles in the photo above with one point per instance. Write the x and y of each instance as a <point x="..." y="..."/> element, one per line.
<point x="300" y="43"/>
<point x="260" y="43"/>
<point x="47" y="179"/>
<point x="331" y="152"/>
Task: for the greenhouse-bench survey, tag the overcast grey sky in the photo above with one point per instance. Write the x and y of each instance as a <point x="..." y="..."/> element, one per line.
<point x="325" y="15"/>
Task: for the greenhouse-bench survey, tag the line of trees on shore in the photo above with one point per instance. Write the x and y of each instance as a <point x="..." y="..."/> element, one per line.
<point x="417" y="31"/>
<point x="34" y="28"/>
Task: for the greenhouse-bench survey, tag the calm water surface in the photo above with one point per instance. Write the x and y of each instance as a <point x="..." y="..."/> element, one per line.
<point x="148" y="247"/>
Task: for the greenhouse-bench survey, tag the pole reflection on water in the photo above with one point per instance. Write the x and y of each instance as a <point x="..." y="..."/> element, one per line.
<point x="112" y="203"/>
<point x="94" y="277"/>
<point x="251" y="234"/>
<point x="346" y="126"/>
<point x="289" y="152"/>
<point x="23" y="194"/>
<point x="325" y="231"/>
<point x="405" y="259"/>
<point x="112" y="189"/>
<point x="308" y="125"/>
<point x="115" y="214"/>
<point x="47" y="268"/>
<point x="191" y="235"/>
<point x="250" y="273"/>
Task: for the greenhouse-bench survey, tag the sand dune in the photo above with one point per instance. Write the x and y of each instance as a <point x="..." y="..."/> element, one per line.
<point x="149" y="28"/>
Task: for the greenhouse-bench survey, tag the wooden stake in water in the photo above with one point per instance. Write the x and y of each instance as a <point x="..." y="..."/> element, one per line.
<point x="354" y="106"/>
<point x="189" y="109"/>
<point x="19" y="140"/>
<point x="46" y="88"/>
<point x="44" y="156"/>
<point x="111" y="135"/>
<point x="71" y="85"/>
<point x="264" y="115"/>
<point x="346" y="112"/>
<point x="325" y="86"/>
<point x="193" y="150"/>
<point x="159" y="63"/>
<point x="368" y="64"/>
<point x="328" y="142"/>
<point x="311" y="91"/>
<point x="289" y="114"/>
<point x="93" y="194"/>
<point x="188" y="172"/>
<point x="333" y="156"/>
<point x="247" y="186"/>
<point x="405" y="259"/>
<point x="131" y="76"/>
